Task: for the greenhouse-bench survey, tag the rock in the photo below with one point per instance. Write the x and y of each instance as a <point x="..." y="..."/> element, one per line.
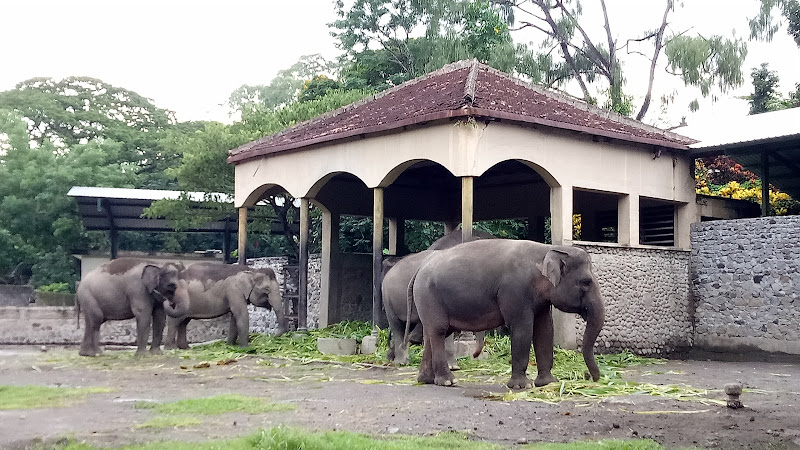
<point x="393" y="430"/>
<point x="337" y="346"/>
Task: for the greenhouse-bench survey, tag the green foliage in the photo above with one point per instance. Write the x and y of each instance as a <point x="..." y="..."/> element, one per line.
<point x="33" y="397"/>
<point x="765" y="96"/>
<point x="318" y="87"/>
<point x="764" y="25"/>
<point x="62" y="288"/>
<point x="216" y="405"/>
<point x="80" y="110"/>
<point x="706" y="62"/>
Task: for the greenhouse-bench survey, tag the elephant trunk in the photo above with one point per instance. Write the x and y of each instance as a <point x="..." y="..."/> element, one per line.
<point x="178" y="306"/>
<point x="594" y="314"/>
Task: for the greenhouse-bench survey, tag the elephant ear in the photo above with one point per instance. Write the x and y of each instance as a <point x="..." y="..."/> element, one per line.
<point x="150" y="275"/>
<point x="553" y="265"/>
<point x="245" y="282"/>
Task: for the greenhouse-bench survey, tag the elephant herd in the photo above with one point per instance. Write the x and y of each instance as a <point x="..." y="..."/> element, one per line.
<point x="472" y="286"/>
<point x="128" y="288"/>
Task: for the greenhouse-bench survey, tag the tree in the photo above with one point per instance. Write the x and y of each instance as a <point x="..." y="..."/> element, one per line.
<point x="765" y="96"/>
<point x="389" y="42"/>
<point x="283" y="89"/>
<point x="702" y="62"/>
<point x="39" y="224"/>
<point x="79" y="110"/>
<point x="765" y="25"/>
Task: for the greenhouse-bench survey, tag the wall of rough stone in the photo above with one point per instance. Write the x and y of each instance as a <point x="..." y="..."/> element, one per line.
<point x="746" y="284"/>
<point x="58" y="325"/>
<point x="16" y="295"/>
<point x="648" y="307"/>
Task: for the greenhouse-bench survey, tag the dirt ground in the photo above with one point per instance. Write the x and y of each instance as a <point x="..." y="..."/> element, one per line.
<point x="379" y="400"/>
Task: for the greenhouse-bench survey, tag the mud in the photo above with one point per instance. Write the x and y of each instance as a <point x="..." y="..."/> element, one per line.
<point x="380" y="400"/>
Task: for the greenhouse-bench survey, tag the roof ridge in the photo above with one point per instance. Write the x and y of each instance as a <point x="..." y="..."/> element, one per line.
<point x="582" y="104"/>
<point x="469" y="85"/>
<point x="447" y="68"/>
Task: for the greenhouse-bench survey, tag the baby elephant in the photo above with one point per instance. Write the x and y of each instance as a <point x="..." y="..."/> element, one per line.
<point x="216" y="289"/>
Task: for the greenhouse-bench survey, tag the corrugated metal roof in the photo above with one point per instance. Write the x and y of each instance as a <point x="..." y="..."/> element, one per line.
<point x="143" y="194"/>
<point x="755" y="128"/>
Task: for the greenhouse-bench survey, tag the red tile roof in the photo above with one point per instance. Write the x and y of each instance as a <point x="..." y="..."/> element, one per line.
<point x="461" y="89"/>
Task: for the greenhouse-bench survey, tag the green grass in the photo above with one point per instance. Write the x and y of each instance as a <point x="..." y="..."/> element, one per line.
<point x="219" y="404"/>
<point x="31" y="397"/>
<point x="170" y="422"/>
<point x="286" y="438"/>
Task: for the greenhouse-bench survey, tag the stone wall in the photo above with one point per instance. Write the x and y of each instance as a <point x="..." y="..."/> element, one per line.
<point x="648" y="307"/>
<point x="746" y="284"/>
<point x="58" y="325"/>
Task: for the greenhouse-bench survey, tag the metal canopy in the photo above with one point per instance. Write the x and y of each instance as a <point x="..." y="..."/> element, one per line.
<point x="767" y="144"/>
<point x="121" y="209"/>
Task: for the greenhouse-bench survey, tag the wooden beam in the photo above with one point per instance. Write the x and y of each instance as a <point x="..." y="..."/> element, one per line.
<point x="302" y="302"/>
<point x="377" y="255"/>
<point x="242" y="235"/>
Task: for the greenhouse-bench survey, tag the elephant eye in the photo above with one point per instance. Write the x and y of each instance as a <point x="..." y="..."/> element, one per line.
<point x="586" y="282"/>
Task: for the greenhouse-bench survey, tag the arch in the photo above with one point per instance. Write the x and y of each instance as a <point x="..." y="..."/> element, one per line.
<point x="541" y="171"/>
<point x="321" y="182"/>
<point x="343" y="193"/>
<point x="262" y="191"/>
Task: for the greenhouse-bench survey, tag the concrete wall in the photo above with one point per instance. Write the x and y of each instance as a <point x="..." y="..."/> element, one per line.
<point x="746" y="284"/>
<point x="16" y="295"/>
<point x="648" y="308"/>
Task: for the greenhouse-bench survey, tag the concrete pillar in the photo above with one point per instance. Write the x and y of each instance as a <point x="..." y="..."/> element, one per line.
<point x="377" y="254"/>
<point x="561" y="215"/>
<point x="242" y="235"/>
<point x="684" y="216"/>
<point x="628" y="219"/>
<point x="330" y="295"/>
<point x="397" y="237"/>
<point x="467" y="207"/>
<point x="764" y="184"/>
<point x="302" y="302"/>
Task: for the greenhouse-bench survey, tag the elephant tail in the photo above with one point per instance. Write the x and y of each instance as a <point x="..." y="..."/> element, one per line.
<point x="409" y="306"/>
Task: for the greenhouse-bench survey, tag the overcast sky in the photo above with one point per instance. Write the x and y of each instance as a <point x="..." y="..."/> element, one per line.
<point x="188" y="56"/>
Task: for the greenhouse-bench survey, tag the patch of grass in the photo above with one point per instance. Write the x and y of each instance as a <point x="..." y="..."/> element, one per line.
<point x="31" y="397"/>
<point x="287" y="438"/>
<point x="219" y="404"/>
<point x="170" y="422"/>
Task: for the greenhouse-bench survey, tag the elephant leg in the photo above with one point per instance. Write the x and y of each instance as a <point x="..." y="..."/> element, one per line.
<point x="159" y="318"/>
<point x="233" y="331"/>
<point x="170" y="343"/>
<point x="183" y="341"/>
<point x="242" y="316"/>
<point x="442" y="374"/>
<point x="521" y="336"/>
<point x="543" y="346"/>
<point x="450" y="350"/>
<point x="425" y="366"/>
<point x="90" y="345"/>
<point x="144" y="317"/>
<point x="397" y="352"/>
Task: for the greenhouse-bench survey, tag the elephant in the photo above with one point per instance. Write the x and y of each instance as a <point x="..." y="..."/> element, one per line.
<point x="397" y="273"/>
<point x="463" y="289"/>
<point x="125" y="288"/>
<point x="216" y="289"/>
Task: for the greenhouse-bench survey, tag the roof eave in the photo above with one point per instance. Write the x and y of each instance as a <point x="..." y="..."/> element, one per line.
<point x="244" y="156"/>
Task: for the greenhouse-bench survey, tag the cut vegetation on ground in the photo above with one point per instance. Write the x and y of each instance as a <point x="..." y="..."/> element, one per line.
<point x="30" y="397"/>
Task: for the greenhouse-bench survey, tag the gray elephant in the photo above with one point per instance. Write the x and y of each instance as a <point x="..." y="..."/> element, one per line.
<point x="488" y="283"/>
<point x="126" y="288"/>
<point x="397" y="273"/>
<point x="216" y="289"/>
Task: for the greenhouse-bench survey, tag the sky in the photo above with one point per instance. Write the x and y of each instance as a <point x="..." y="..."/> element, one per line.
<point x="188" y="56"/>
